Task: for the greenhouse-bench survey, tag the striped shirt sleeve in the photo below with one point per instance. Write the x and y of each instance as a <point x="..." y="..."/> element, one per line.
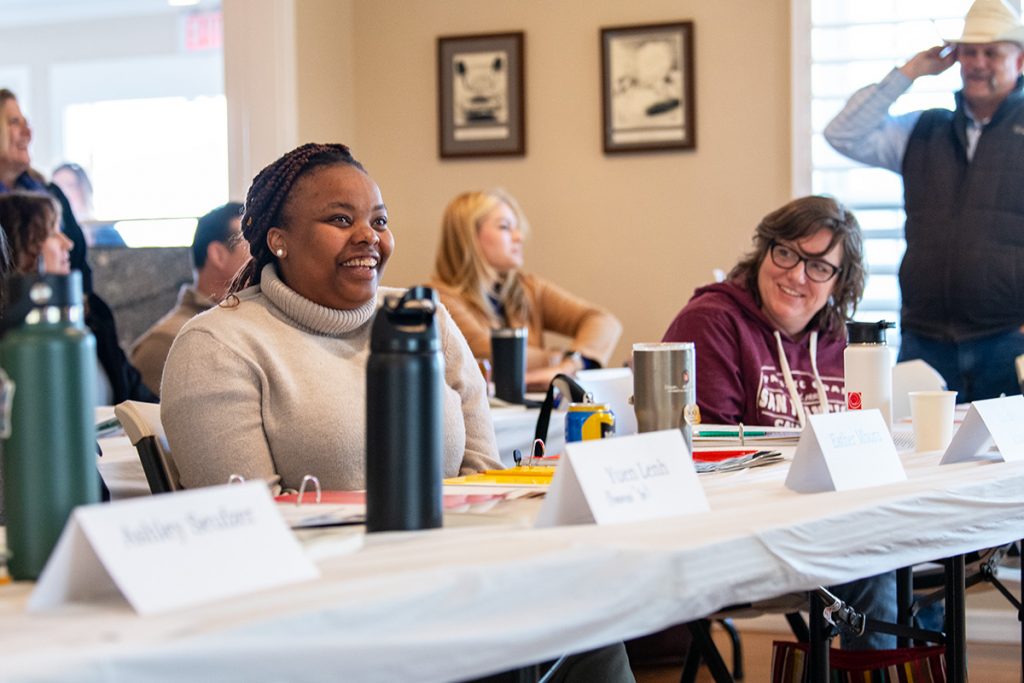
<point x="865" y="132"/>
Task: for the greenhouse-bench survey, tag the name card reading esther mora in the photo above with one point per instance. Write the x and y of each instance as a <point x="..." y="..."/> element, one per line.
<point x="842" y="451"/>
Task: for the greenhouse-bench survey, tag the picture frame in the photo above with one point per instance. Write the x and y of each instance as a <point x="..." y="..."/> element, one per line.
<point x="480" y="94"/>
<point x="647" y="87"/>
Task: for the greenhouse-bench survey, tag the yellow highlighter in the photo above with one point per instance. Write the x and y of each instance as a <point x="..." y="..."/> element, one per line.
<point x="523" y="471"/>
<point x="535" y="476"/>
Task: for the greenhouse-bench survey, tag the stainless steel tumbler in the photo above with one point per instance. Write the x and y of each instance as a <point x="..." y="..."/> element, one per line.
<point x="665" y="387"/>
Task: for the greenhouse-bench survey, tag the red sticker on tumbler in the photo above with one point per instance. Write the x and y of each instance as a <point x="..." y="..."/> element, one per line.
<point x="853" y="401"/>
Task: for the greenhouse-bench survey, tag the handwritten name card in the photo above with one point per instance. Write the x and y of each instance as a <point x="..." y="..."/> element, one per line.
<point x="842" y="451"/>
<point x="168" y="552"/>
<point x="623" y="479"/>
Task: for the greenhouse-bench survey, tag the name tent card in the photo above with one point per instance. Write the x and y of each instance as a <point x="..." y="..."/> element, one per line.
<point x="173" y="551"/>
<point x="995" y="419"/>
<point x="624" y="479"/>
<point x="843" y="451"/>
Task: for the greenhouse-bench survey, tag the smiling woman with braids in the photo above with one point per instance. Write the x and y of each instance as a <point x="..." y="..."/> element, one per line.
<point x="271" y="383"/>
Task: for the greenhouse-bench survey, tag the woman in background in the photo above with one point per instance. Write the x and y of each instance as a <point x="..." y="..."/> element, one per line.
<point x="16" y="173"/>
<point x="478" y="276"/>
<point x="75" y="184"/>
<point x="119" y="380"/>
<point x="31" y="223"/>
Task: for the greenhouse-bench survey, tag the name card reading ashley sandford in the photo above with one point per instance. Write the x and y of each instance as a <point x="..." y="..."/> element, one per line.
<point x="173" y="551"/>
<point x="995" y="419"/>
<point x="624" y="479"/>
<point x="842" y="451"/>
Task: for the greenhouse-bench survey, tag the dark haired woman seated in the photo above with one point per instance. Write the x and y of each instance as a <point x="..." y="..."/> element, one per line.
<point x="770" y="341"/>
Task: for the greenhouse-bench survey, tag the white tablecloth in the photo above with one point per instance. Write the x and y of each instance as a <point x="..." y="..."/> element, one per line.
<point x="463" y="602"/>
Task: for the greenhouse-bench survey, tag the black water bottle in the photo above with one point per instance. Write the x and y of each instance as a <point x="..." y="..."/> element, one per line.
<point x="404" y="428"/>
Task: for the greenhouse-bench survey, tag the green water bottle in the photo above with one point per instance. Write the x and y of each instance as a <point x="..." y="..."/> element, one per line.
<point x="49" y="457"/>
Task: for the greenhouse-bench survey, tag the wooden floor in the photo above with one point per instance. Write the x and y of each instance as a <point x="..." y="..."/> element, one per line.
<point x="986" y="662"/>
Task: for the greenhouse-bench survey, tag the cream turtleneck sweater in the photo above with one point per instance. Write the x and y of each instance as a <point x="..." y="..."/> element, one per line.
<point x="275" y="388"/>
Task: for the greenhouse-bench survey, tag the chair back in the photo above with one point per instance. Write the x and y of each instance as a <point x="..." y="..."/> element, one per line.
<point x="912" y="375"/>
<point x="141" y="422"/>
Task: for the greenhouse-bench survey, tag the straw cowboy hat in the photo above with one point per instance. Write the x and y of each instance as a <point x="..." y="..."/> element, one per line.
<point x="991" y="21"/>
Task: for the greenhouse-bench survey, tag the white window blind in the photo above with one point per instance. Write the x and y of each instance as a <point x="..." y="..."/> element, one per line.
<point x="854" y="43"/>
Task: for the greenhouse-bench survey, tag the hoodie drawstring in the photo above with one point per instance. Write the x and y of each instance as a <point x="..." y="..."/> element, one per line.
<point x="818" y="384"/>
<point x="787" y="377"/>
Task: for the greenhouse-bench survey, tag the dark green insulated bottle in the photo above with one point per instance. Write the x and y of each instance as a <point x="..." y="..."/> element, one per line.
<point x="49" y="456"/>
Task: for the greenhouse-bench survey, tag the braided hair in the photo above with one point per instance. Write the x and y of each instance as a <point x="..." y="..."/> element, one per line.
<point x="267" y="196"/>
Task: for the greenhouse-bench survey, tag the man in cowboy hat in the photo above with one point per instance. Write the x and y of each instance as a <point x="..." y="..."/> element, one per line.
<point x="962" y="276"/>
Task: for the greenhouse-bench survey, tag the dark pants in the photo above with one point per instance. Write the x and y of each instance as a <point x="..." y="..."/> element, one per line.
<point x="976" y="369"/>
<point x="874" y="596"/>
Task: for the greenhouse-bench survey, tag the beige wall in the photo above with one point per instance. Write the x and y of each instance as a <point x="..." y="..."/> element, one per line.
<point x="325" y="53"/>
<point x="635" y="233"/>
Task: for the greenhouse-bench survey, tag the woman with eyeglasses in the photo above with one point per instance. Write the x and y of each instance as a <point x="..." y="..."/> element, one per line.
<point x="770" y="339"/>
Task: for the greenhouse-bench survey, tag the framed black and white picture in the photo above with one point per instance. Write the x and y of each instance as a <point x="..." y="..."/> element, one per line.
<point x="480" y="95"/>
<point x="647" y="87"/>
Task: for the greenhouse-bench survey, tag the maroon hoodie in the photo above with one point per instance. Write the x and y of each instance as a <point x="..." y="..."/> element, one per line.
<point x="739" y="377"/>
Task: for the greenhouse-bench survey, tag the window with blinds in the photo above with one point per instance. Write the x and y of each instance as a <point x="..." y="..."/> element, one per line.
<point x="854" y="43"/>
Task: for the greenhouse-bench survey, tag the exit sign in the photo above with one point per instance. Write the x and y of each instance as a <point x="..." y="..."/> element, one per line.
<point x="203" y="31"/>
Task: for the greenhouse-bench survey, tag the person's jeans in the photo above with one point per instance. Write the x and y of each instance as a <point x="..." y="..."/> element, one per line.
<point x="874" y="597"/>
<point x="976" y="369"/>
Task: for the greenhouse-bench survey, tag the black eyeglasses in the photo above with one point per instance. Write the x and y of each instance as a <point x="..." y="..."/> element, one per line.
<point x="787" y="258"/>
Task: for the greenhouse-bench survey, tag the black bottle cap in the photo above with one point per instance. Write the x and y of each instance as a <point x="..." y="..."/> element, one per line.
<point x="867" y="333"/>
<point x="406" y="324"/>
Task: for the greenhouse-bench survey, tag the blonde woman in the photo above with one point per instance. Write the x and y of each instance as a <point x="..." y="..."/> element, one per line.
<point x="477" y="275"/>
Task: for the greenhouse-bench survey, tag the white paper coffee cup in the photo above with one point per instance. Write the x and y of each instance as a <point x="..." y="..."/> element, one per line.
<point x="932" y="415"/>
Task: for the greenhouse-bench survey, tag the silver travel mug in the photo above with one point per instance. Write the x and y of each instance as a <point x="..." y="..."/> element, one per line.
<point x="665" y="387"/>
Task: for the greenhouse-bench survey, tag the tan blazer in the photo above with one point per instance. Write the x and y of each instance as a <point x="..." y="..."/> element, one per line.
<point x="593" y="330"/>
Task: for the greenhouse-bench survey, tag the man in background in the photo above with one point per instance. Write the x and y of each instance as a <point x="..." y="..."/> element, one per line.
<point x="218" y="251"/>
<point x="962" y="276"/>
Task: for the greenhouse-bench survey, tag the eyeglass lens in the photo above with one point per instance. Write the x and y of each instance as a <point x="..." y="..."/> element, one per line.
<point x="816" y="269"/>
